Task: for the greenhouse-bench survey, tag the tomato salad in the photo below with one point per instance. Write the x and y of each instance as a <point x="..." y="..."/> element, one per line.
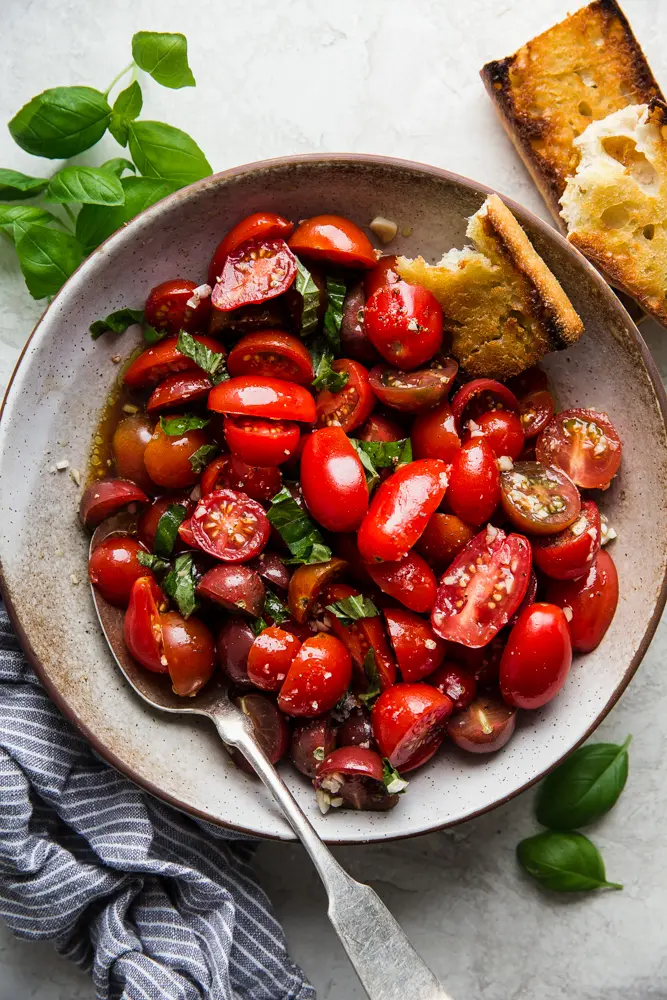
<point x="379" y="555"/>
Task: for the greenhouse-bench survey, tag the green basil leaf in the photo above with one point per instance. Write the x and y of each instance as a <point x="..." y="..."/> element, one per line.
<point x="61" y="122"/>
<point x="213" y="362"/>
<point x="375" y="455"/>
<point x="15" y="186"/>
<point x="258" y="625"/>
<point x="202" y="457"/>
<point x="333" y="317"/>
<point x="167" y="153"/>
<point x="164" y="56"/>
<point x="564" y="862"/>
<point x="15" y="220"/>
<point x="373" y="692"/>
<point x="583" y="788"/>
<point x="310" y="294"/>
<point x="88" y="185"/>
<point x="178" y="426"/>
<point x="296" y="529"/>
<point x="153" y="336"/>
<point x="166" y="532"/>
<point x="181" y="582"/>
<point x="351" y="609"/>
<point x="325" y="376"/>
<point x="126" y="108"/>
<point x="153" y="562"/>
<point x="95" y="223"/>
<point x="116" y="322"/>
<point x="118" y="166"/>
<point x="47" y="258"/>
<point x="275" y="608"/>
<point x="394" y="783"/>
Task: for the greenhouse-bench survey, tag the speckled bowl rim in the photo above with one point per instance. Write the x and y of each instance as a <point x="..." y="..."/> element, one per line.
<point x="347" y="159"/>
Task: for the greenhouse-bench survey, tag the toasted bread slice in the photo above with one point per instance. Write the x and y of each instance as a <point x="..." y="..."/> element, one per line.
<point x="615" y="204"/>
<point x="502" y="305"/>
<point x="548" y="92"/>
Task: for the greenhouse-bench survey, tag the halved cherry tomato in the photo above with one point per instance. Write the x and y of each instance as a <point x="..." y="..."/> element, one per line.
<point x="352" y="405"/>
<point x="482" y="588"/>
<point x="413" y="392"/>
<point x="167" y="307"/>
<point x="433" y="434"/>
<point x="142" y="629"/>
<point x="318" y="677"/>
<point x="272" y="353"/>
<point x="235" y="587"/>
<point x="333" y="480"/>
<point x="584" y="444"/>
<point x="409" y="580"/>
<point x="384" y="273"/>
<point x="270" y="657"/>
<point x="409" y="723"/>
<point x="234" y="641"/>
<point x="129" y="445"/>
<point x="357" y="730"/>
<point x="404" y="323"/>
<point x="571" y="552"/>
<point x="271" y="398"/>
<point x="163" y="359"/>
<point x="484" y="726"/>
<point x="539" y="499"/>
<point x="380" y="427"/>
<point x="502" y="429"/>
<point x="530" y="380"/>
<point x="258" y="226"/>
<point x="167" y="457"/>
<point x="253" y="272"/>
<point x="353" y="777"/>
<point x="457" y="683"/>
<point x="269" y="726"/>
<point x="537" y="657"/>
<point x="113" y="568"/>
<point x="400" y="509"/>
<point x="354" y="340"/>
<point x="230" y="526"/>
<point x="419" y="651"/>
<point x="536" y="410"/>
<point x="334" y="239"/>
<point x="261" y="442"/>
<point x="443" y="538"/>
<point x="272" y="569"/>
<point x="185" y="534"/>
<point x="307" y="583"/>
<point x="190" y="652"/>
<point x="107" y="497"/>
<point x="479" y="396"/>
<point x="588" y="603"/>
<point x="150" y="518"/>
<point x="528" y="598"/>
<point x="358" y="637"/>
<point x="178" y="390"/>
<point x="311" y="742"/>
<point x="474" y="482"/>
<point x="228" y="472"/>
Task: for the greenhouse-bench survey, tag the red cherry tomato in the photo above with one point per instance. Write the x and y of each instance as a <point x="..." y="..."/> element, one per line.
<point x="409" y="580"/>
<point x="444" y="537"/>
<point x="167" y="457"/>
<point x="142" y="629"/>
<point x="260" y="442"/>
<point x="167" y="307"/>
<point x="588" y="603"/>
<point x="400" y="509"/>
<point x="177" y="391"/>
<point x="479" y="396"/>
<point x="113" y="567"/>
<point x="234" y="641"/>
<point x="234" y="587"/>
<point x="457" y="683"/>
<point x="536" y="410"/>
<point x="333" y="239"/>
<point x="253" y="272"/>
<point x="380" y="427"/>
<point x="352" y="405"/>
<point x="433" y="434"/>
<point x="230" y="526"/>
<point x="474" y="482"/>
<point x="163" y="359"/>
<point x="318" y="677"/>
<point x="270" y="657"/>
<point x="358" y="637"/>
<point x="413" y="392"/>
<point x="228" y="472"/>
<point x="482" y="588"/>
<point x="571" y="552"/>
<point x="502" y="429"/>
<point x="537" y="657"/>
<point x="409" y="723"/>
<point x="269" y="726"/>
<point x="274" y="354"/>
<point x="333" y="480"/>
<point x="190" y="652"/>
<point x="404" y="323"/>
<point x="107" y="497"/>
<point x="354" y="341"/>
<point x="312" y="741"/>
<point x="384" y="273"/>
<point x="353" y="777"/>
<point x="584" y="444"/>
<point x="528" y="598"/>
<point x="272" y="569"/>
<point x="357" y="730"/>
<point x="150" y="518"/>
<point x="258" y="226"/>
<point x="270" y="398"/>
<point x="539" y="499"/>
<point x="419" y="651"/>
<point x="484" y="726"/>
<point x="307" y="583"/>
<point x="129" y="445"/>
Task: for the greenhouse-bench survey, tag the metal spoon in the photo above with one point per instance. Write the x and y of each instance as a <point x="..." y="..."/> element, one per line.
<point x="385" y="961"/>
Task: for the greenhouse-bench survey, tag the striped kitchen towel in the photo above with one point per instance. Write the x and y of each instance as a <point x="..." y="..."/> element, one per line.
<point x="154" y="904"/>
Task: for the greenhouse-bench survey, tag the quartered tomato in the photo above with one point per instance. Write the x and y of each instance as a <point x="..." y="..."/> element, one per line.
<point x="261" y="442"/>
<point x="474" y="482"/>
<point x="333" y="480"/>
<point x="189" y="650"/>
<point x="234" y="587"/>
<point x="539" y="499"/>
<point x="272" y="353"/>
<point x="253" y="272"/>
<point x="168" y="456"/>
<point x="433" y="434"/>
<point x="113" y="567"/>
<point x="358" y="637"/>
<point x="163" y="359"/>
<point x="352" y="405"/>
<point x="178" y="390"/>
<point x="230" y="526"/>
<point x="333" y="239"/>
<point x="535" y="411"/>
<point x="142" y="630"/>
<point x="307" y="583"/>
<point x="537" y="657"/>
<point x="478" y="397"/>
<point x="588" y="603"/>
<point x="482" y="588"/>
<point x="409" y="580"/>
<point x="502" y="429"/>
<point x="167" y="307"/>
<point x="129" y="446"/>
<point x="404" y="323"/>
<point x="409" y="723"/>
<point x="456" y="682"/>
<point x="311" y="742"/>
<point x="571" y="552"/>
<point x="271" y="398"/>
<point x="380" y="427"/>
<point x="443" y="538"/>
<point x="107" y="497"/>
<point x="400" y="509"/>
<point x="384" y="273"/>
<point x="584" y="444"/>
<point x="228" y="472"/>
<point x="413" y="392"/>
<point x="419" y="651"/>
<point x="353" y="777"/>
<point x="270" y="657"/>
<point x="318" y="677"/>
<point x="258" y="226"/>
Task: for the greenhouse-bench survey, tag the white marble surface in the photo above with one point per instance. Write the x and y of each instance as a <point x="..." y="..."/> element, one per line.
<point x="397" y="77"/>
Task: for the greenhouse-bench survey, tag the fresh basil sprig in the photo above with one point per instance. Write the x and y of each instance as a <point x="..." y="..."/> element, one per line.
<point x="126" y="109"/>
<point x="178" y="426"/>
<point x="373" y="692"/>
<point x="564" y="862"/>
<point x="85" y="185"/>
<point x="116" y="322"/>
<point x="333" y="317"/>
<point x="351" y="609"/>
<point x="181" y="582"/>
<point x="15" y="186"/>
<point x="166" y="152"/>
<point x="212" y="362"/>
<point x="95" y="223"/>
<point x="165" y="56"/>
<point x="325" y="376"/>
<point x="310" y="294"/>
<point x="151" y="561"/>
<point x="585" y="787"/>
<point x="61" y="122"/>
<point x="166" y="532"/>
<point x="202" y="457"/>
<point x="15" y="220"/>
<point x="296" y="529"/>
<point x="47" y="258"/>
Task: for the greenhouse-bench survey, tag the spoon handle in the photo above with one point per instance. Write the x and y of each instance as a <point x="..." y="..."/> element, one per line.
<point x="385" y="961"/>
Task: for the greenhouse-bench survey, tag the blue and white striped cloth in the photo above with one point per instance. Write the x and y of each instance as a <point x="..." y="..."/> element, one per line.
<point x="155" y="905"/>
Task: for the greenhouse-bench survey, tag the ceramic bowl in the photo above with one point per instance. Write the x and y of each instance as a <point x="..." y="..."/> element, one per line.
<point x="52" y="408"/>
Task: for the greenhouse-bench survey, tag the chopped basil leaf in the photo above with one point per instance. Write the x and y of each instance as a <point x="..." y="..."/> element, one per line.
<point x="374" y="691"/>
<point x="318" y="753"/>
<point x="153" y="562"/>
<point x="310" y="294"/>
<point x="212" y="362"/>
<point x="181" y="582"/>
<point x="394" y="783"/>
<point x="177" y="426"/>
<point x="258" y="625"/>
<point x="275" y="608"/>
<point x="296" y="529"/>
<point x="376" y="455"/>
<point x="333" y="317"/>
<point x="325" y="376"/>
<point x="350" y="609"/>
<point x="167" y="529"/>
<point x="202" y="457"/>
<point x="153" y="336"/>
<point x="116" y="322"/>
